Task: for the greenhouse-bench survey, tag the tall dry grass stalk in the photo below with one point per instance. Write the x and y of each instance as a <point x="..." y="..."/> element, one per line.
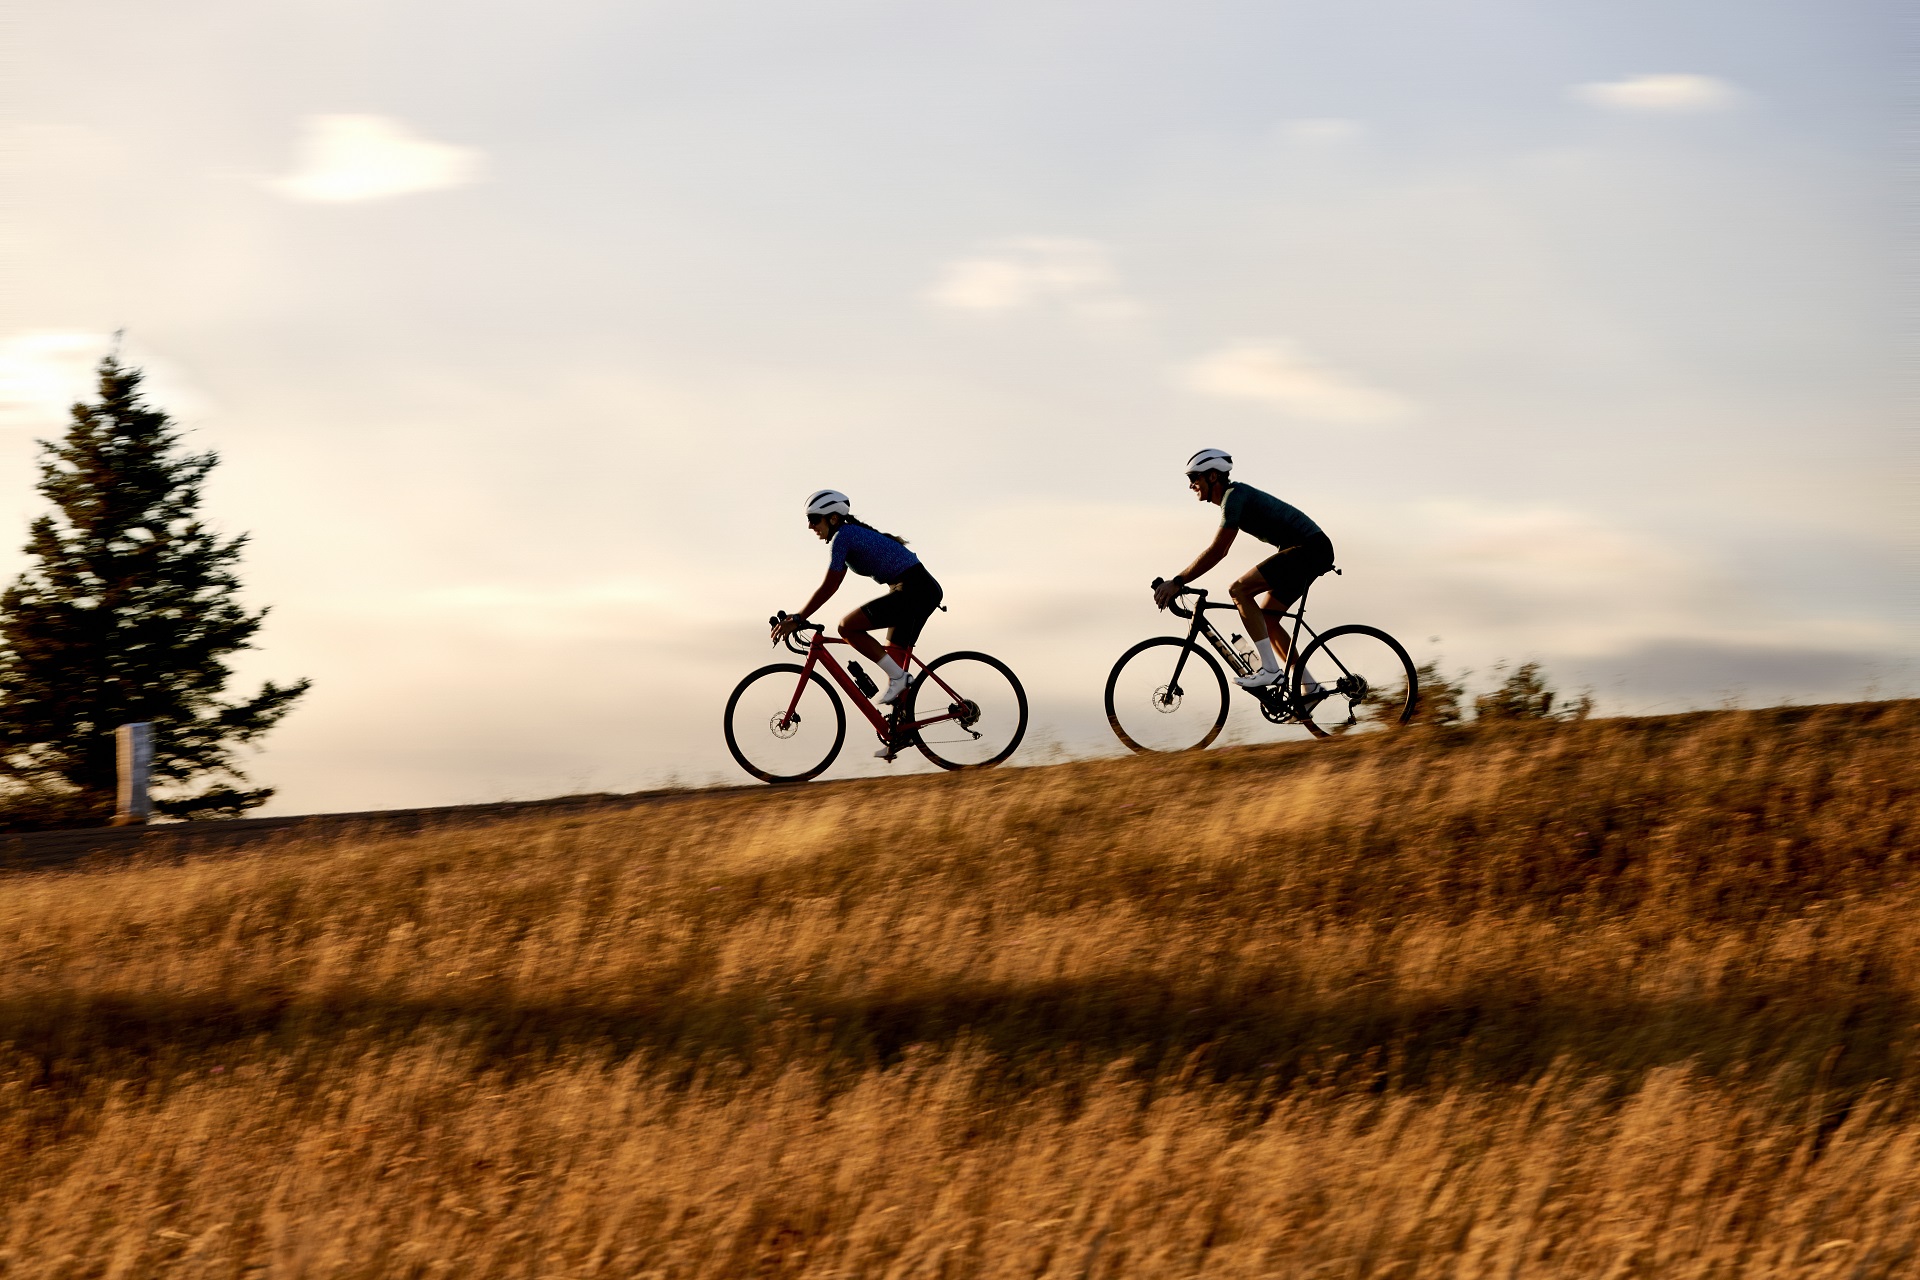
<point x="1620" y="998"/>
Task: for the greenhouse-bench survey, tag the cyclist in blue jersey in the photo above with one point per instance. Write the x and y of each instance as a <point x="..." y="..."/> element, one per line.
<point x="1304" y="553"/>
<point x="911" y="598"/>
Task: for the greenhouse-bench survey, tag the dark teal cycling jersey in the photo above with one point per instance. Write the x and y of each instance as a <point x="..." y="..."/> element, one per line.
<point x="1264" y="516"/>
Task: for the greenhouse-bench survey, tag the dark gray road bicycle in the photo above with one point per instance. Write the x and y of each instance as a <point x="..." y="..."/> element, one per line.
<point x="1170" y="694"/>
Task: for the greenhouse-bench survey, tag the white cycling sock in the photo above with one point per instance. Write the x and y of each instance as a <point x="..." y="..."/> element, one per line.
<point x="1267" y="660"/>
<point x="892" y="668"/>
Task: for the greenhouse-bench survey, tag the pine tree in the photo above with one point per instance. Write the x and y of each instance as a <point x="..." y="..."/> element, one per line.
<point x="128" y="613"/>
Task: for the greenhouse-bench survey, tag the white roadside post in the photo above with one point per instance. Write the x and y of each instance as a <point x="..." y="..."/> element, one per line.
<point x="136" y="766"/>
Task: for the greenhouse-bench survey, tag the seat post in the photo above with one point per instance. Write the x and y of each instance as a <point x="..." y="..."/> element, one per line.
<point x="1299" y="620"/>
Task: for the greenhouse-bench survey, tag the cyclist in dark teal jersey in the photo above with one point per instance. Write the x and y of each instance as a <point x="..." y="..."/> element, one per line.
<point x="1304" y="553"/>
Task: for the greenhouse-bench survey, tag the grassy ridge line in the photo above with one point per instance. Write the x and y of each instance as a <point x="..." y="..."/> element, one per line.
<point x="1622" y="997"/>
<point x="101" y="847"/>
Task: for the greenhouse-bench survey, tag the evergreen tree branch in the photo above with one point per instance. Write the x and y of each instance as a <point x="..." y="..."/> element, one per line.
<point x="128" y="611"/>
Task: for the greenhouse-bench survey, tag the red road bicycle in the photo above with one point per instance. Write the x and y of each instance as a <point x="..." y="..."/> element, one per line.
<point x="785" y="723"/>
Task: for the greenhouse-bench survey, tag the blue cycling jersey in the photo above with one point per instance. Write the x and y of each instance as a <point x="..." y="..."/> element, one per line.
<point x="870" y="553"/>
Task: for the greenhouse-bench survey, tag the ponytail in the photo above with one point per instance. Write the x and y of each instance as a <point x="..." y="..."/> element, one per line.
<point x="850" y="518"/>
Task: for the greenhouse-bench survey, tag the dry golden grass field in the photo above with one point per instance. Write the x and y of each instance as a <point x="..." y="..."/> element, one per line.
<point x="1621" y="998"/>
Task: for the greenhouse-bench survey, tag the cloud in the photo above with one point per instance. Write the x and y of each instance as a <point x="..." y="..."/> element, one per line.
<point x="1539" y="543"/>
<point x="1327" y="131"/>
<point x="1035" y="271"/>
<point x="1669" y="94"/>
<point x="41" y="374"/>
<point x="347" y="158"/>
<point x="1278" y="374"/>
<point x="1756" y="671"/>
<point x="1560" y="579"/>
<point x="1573" y="587"/>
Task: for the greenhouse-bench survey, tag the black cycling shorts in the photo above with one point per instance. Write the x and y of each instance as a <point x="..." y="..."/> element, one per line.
<point x="906" y="608"/>
<point x="1292" y="570"/>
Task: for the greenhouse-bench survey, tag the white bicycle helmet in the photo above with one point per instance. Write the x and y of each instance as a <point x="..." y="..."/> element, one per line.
<point x="1209" y="460"/>
<point x="829" y="502"/>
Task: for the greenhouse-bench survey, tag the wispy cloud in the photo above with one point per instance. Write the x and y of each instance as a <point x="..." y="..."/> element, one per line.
<point x="1035" y="271"/>
<point x="1553" y="578"/>
<point x="1279" y="374"/>
<point x="1537" y="547"/>
<point x="41" y="374"/>
<point x="352" y="157"/>
<point x="1668" y="94"/>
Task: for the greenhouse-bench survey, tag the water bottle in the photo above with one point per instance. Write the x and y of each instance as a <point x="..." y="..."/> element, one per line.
<point x="862" y="680"/>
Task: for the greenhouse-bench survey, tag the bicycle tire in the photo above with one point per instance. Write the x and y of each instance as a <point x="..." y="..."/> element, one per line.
<point x="997" y="707"/>
<point x="1378" y="694"/>
<point x="1211" y="731"/>
<point x="766" y="774"/>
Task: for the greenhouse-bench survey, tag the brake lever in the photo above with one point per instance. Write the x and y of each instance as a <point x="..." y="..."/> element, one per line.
<point x="790" y="640"/>
<point x="1174" y="604"/>
<point x="773" y="622"/>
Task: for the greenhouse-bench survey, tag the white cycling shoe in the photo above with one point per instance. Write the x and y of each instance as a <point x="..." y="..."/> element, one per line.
<point x="885" y="753"/>
<point x="1311" y="690"/>
<point x="896" y="686"/>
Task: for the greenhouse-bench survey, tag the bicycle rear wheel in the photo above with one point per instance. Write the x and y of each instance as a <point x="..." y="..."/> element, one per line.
<point x="768" y="743"/>
<point x="983" y="705"/>
<point x="1150" y="713"/>
<point x="1367" y="682"/>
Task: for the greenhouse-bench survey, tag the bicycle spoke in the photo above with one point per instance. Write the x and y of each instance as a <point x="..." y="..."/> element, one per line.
<point x="1365" y="681"/>
<point x="976" y="709"/>
<point x="777" y="744"/>
<point x="1150" y="709"/>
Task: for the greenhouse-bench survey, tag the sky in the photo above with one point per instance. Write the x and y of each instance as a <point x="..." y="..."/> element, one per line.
<point x="524" y="330"/>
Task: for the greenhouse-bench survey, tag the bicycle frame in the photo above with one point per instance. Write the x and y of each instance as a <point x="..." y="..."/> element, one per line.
<point x="884" y="725"/>
<point x="1201" y="627"/>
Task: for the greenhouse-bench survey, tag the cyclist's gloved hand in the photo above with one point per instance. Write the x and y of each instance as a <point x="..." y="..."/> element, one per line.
<point x="784" y="627"/>
<point x="1164" y="593"/>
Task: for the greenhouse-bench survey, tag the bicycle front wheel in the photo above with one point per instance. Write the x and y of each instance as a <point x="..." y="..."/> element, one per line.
<point x="1366" y="681"/>
<point x="1151" y="711"/>
<point x="976" y="709"/>
<point x="778" y="739"/>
